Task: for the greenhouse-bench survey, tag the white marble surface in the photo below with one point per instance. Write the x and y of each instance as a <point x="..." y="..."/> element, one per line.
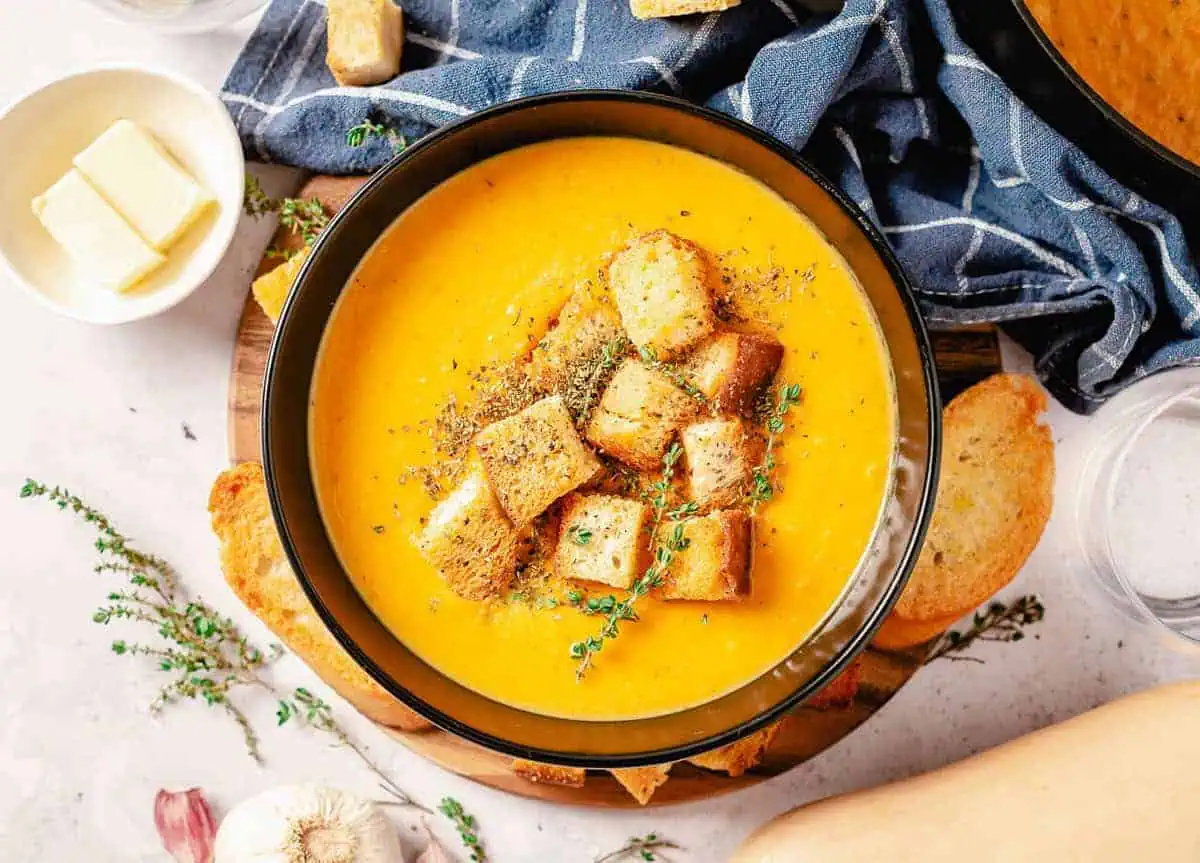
<point x="101" y="410"/>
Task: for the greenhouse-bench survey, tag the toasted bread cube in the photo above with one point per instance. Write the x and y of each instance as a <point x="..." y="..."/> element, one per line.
<point x="642" y="782"/>
<point x="662" y="286"/>
<point x="731" y="369"/>
<point x="637" y="415"/>
<point x="534" y="457"/>
<point x="470" y="541"/>
<point x="603" y="539"/>
<point x="715" y="565"/>
<point x="365" y="40"/>
<point x="644" y="9"/>
<point x="549" y="774"/>
<point x="721" y="456"/>
<point x="739" y="756"/>
<point x="574" y="346"/>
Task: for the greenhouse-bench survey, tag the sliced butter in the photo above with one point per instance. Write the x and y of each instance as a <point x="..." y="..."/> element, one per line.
<point x="101" y="243"/>
<point x="144" y="183"/>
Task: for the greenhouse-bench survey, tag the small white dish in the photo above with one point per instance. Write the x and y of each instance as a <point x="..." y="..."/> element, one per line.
<point x="39" y="135"/>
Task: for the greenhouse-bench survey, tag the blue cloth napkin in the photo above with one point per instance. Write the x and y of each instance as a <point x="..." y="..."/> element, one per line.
<point x="995" y="216"/>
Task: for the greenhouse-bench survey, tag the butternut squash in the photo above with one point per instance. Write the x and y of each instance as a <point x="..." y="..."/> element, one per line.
<point x="1116" y="784"/>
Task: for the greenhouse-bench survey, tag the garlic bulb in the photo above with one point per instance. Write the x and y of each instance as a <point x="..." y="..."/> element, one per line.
<point x="306" y="824"/>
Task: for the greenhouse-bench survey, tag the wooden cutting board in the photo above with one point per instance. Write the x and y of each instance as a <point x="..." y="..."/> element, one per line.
<point x="963" y="357"/>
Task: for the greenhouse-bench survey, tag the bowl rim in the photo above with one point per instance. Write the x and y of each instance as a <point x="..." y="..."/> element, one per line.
<point x="906" y="560"/>
<point x="169" y="295"/>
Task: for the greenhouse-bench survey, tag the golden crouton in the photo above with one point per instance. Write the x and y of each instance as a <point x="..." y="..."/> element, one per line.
<point x="639" y="412"/>
<point x="730" y="369"/>
<point x="257" y="571"/>
<point x="739" y="756"/>
<point x="470" y="541"/>
<point x="721" y="456"/>
<point x="840" y="691"/>
<point x="534" y="457"/>
<point x="662" y="286"/>
<point x="575" y="344"/>
<point x="365" y="40"/>
<point x="271" y="290"/>
<point x="644" y="9"/>
<point x="603" y="538"/>
<point x="714" y="565"/>
<point x="642" y="782"/>
<point x="549" y="774"/>
<point x="994" y="499"/>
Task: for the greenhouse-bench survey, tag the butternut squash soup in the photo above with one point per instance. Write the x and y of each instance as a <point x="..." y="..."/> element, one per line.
<point x="601" y="428"/>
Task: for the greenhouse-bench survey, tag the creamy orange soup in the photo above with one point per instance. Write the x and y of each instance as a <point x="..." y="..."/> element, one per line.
<point x="472" y="275"/>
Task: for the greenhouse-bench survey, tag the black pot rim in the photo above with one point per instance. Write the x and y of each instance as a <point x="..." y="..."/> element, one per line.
<point x="899" y="577"/>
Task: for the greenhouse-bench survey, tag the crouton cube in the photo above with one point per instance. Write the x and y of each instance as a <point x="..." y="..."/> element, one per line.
<point x="534" y="457"/>
<point x="662" y="286"/>
<point x="644" y="9"/>
<point x="721" y="456"/>
<point x="714" y="565"/>
<point x="470" y="541"/>
<point x="637" y="415"/>
<point x="642" y="782"/>
<point x="549" y="774"/>
<point x="365" y="40"/>
<point x="739" y="756"/>
<point x="570" y="352"/>
<point x="730" y="369"/>
<point x="603" y="538"/>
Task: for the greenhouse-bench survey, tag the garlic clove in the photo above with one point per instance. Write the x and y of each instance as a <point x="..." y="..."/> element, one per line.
<point x="185" y="825"/>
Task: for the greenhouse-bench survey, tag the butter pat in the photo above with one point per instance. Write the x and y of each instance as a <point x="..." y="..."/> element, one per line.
<point x="143" y="183"/>
<point x="101" y="243"/>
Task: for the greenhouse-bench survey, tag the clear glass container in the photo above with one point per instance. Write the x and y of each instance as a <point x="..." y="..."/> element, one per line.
<point x="180" y="16"/>
<point x="1135" y="474"/>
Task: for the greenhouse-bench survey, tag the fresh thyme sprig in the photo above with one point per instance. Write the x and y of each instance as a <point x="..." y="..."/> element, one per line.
<point x="673" y="372"/>
<point x="762" y="490"/>
<point x="466" y="826"/>
<point x="358" y="135"/>
<point x="640" y="848"/>
<point x="998" y="622"/>
<point x="303" y="216"/>
<point x="584" y="651"/>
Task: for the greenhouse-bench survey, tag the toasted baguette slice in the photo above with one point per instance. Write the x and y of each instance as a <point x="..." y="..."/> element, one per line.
<point x="365" y="41"/>
<point x="662" y="285"/>
<point x="256" y="570"/>
<point x="732" y="368"/>
<point x="721" y="456"/>
<point x="840" y="691"/>
<point x="638" y="413"/>
<point x="534" y="457"/>
<point x="470" y="541"/>
<point x="569" y="353"/>
<point x="898" y="633"/>
<point x="642" y="782"/>
<point x="645" y="9"/>
<point x="271" y="290"/>
<point x="994" y="499"/>
<point x="715" y="565"/>
<point x="603" y="539"/>
<point x="739" y="756"/>
<point x="549" y="774"/>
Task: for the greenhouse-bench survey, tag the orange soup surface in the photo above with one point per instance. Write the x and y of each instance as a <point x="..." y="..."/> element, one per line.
<point x="472" y="276"/>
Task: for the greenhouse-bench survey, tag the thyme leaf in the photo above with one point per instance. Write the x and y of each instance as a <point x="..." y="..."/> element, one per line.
<point x="640" y="848"/>
<point x="761" y="489"/>
<point x="997" y="622"/>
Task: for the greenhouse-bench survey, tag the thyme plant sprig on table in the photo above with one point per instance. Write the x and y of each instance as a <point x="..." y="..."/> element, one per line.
<point x="617" y="612"/>
<point x="762" y="490"/>
<point x="998" y="622"/>
<point x="640" y="848"/>
<point x="467" y="828"/>
<point x="303" y="216"/>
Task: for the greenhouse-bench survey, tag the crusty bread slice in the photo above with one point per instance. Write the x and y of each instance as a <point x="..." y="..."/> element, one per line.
<point x="638" y="413"/>
<point x="715" y="565"/>
<point x="662" y="285"/>
<point x="271" y="289"/>
<point x="721" y="456"/>
<point x="257" y="571"/>
<point x="730" y="369"/>
<point x="549" y="774"/>
<point x="994" y="499"/>
<point x="644" y="9"/>
<point x="470" y="541"/>
<point x="898" y="633"/>
<point x="534" y="457"/>
<point x="739" y="756"/>
<point x="574" y="345"/>
<point x="840" y="691"/>
<point x="642" y="782"/>
<point x="365" y="39"/>
<point x="602" y="538"/>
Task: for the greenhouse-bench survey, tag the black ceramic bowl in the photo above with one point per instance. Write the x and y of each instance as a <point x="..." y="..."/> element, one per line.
<point x="865" y="602"/>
